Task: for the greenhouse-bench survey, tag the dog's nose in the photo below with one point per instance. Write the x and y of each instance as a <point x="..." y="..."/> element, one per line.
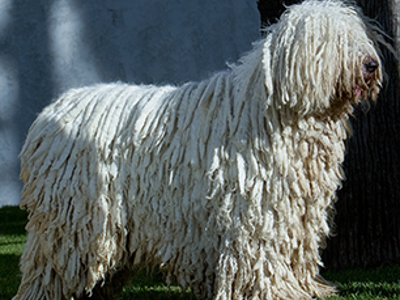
<point x="371" y="66"/>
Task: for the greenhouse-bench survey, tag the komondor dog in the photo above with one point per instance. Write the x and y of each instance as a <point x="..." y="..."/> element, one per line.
<point x="226" y="185"/>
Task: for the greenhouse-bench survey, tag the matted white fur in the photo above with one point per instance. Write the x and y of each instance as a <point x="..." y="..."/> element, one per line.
<point x="227" y="184"/>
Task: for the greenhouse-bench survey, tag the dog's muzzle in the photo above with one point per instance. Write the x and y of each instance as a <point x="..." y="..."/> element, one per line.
<point x="367" y="85"/>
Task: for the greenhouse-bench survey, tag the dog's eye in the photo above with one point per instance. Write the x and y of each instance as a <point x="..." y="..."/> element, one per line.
<point x="371" y="66"/>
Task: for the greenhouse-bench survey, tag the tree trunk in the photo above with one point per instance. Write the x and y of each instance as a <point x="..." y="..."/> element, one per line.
<point x="271" y="10"/>
<point x="367" y="231"/>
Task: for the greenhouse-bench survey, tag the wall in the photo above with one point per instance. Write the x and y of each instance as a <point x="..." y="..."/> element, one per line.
<point x="48" y="46"/>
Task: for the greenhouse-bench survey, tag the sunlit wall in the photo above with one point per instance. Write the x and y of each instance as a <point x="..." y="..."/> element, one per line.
<point x="48" y="46"/>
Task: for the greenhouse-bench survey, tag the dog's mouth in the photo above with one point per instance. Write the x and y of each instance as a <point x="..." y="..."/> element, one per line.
<point x="358" y="91"/>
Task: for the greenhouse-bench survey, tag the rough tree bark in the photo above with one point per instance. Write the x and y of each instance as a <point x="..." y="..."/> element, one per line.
<point x="367" y="232"/>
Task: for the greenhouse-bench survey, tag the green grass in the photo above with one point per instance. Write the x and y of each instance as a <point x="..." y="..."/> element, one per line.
<point x="12" y="243"/>
<point x="383" y="283"/>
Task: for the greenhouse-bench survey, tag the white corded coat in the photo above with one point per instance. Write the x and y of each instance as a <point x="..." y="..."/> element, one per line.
<point x="226" y="184"/>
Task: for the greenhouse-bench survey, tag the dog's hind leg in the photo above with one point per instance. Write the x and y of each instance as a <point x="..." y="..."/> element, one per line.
<point x="111" y="287"/>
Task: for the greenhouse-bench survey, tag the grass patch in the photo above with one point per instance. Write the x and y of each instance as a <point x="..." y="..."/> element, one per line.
<point x="152" y="287"/>
<point x="156" y="292"/>
<point x="383" y="283"/>
<point x="12" y="244"/>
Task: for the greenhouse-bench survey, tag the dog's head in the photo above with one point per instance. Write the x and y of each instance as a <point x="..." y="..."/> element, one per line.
<point x="321" y="59"/>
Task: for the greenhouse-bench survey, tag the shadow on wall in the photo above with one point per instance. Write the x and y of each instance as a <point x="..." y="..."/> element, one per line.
<point x="48" y="46"/>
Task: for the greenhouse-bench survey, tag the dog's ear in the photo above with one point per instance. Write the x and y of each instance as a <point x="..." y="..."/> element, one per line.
<point x="305" y="61"/>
